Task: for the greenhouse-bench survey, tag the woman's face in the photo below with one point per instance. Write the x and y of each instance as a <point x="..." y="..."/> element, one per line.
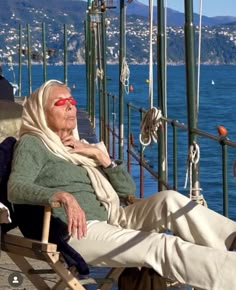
<point x="60" y="111"/>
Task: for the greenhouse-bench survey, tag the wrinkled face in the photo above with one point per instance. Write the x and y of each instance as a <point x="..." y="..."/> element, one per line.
<point x="60" y="111"/>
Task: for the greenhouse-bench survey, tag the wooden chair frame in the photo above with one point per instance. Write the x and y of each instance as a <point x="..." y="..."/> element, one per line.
<point x="18" y="248"/>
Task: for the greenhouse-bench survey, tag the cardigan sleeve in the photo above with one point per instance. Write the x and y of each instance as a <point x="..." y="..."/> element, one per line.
<point x="120" y="179"/>
<point x="28" y="159"/>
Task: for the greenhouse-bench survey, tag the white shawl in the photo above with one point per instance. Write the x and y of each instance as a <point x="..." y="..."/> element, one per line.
<point x="34" y="122"/>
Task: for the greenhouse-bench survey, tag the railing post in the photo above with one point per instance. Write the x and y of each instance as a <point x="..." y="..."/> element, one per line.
<point x="191" y="92"/>
<point x="141" y="174"/>
<point x="175" y="159"/>
<point x="128" y="138"/>
<point x="224" y="177"/>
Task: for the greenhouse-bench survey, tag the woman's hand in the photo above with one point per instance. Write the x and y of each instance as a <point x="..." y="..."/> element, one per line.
<point x="75" y="214"/>
<point x="87" y="150"/>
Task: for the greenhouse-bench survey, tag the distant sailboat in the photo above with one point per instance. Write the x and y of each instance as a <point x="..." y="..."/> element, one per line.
<point x="212" y="82"/>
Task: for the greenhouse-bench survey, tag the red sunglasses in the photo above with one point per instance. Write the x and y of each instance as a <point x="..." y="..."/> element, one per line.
<point x="62" y="102"/>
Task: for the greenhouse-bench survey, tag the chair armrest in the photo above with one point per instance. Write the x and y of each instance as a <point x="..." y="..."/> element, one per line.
<point x="47" y="219"/>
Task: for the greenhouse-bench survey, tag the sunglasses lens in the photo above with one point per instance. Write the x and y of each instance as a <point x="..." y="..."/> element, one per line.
<point x="72" y="101"/>
<point x="62" y="102"/>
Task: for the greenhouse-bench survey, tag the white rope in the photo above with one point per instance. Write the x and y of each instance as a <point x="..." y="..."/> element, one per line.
<point x="125" y="72"/>
<point x="100" y="73"/>
<point x="149" y="126"/>
<point x="193" y="159"/>
<point x="124" y="76"/>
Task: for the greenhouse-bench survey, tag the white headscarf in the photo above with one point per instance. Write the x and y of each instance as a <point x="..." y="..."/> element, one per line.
<point x="34" y="122"/>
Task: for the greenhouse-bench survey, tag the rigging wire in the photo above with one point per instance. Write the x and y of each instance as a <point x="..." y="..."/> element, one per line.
<point x="165" y="39"/>
<point x="150" y="54"/>
<point x="199" y="52"/>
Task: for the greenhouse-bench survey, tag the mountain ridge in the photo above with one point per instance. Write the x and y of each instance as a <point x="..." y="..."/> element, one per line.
<point x="79" y="7"/>
<point x="174" y="17"/>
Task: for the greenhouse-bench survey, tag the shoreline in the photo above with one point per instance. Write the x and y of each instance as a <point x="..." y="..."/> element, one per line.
<point x="116" y="63"/>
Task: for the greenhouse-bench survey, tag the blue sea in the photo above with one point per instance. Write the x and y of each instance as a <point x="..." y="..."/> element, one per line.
<point x="217" y="106"/>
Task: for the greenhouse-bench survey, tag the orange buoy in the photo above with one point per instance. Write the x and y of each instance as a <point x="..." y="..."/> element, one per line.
<point x="131" y="88"/>
<point x="222" y="131"/>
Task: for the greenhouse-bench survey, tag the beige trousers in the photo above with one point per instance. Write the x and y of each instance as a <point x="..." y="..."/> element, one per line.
<point x="196" y="254"/>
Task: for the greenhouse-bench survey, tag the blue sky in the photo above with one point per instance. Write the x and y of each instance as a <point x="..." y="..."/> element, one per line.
<point x="209" y="7"/>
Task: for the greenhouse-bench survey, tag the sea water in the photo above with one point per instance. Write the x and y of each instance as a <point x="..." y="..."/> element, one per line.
<point x="216" y="106"/>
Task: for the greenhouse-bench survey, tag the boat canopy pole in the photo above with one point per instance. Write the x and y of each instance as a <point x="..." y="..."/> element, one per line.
<point x="65" y="56"/>
<point x="161" y="74"/>
<point x="104" y="80"/>
<point x="44" y="52"/>
<point x="96" y="66"/>
<point x="29" y="59"/>
<point x="121" y="87"/>
<point x="90" y="64"/>
<point x="20" y="60"/>
<point x="193" y="156"/>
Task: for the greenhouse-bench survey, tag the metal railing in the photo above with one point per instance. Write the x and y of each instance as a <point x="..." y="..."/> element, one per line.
<point x="176" y="131"/>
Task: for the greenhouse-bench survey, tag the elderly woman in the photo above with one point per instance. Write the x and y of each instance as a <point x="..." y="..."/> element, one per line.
<point x="51" y="163"/>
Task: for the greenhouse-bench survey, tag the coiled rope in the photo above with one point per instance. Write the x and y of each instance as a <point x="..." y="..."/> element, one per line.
<point x="193" y="159"/>
<point x="124" y="76"/>
<point x="149" y="126"/>
<point x="100" y="73"/>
